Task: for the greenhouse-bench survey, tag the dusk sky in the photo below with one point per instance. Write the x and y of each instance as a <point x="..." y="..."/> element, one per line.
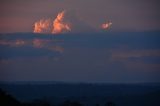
<point x="80" y="40"/>
<point x="126" y="15"/>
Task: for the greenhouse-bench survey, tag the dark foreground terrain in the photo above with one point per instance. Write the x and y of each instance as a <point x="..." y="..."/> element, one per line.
<point x="79" y="94"/>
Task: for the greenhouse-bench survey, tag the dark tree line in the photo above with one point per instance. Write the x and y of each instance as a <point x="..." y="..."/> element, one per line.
<point x="8" y="100"/>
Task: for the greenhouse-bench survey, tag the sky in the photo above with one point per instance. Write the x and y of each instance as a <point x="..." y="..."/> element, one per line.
<point x="126" y="15"/>
<point x="112" y="41"/>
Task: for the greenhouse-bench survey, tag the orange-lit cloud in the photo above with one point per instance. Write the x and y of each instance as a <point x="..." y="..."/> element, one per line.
<point x="42" y="26"/>
<point x="106" y="25"/>
<point x="59" y="26"/>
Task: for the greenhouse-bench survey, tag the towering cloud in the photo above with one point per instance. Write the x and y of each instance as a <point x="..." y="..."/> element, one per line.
<point x="106" y="25"/>
<point x="42" y="26"/>
<point x="62" y="23"/>
<point x="59" y="26"/>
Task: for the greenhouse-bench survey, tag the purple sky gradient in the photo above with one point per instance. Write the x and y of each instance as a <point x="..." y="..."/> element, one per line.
<point x="126" y="15"/>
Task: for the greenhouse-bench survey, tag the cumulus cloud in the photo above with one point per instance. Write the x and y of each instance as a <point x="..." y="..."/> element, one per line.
<point x="56" y="26"/>
<point x="42" y="26"/>
<point x="106" y="25"/>
<point x="65" y="21"/>
<point x="59" y="26"/>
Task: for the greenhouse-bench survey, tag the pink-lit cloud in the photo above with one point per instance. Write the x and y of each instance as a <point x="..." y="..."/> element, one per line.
<point x="106" y="25"/>
<point x="59" y="26"/>
<point x="56" y="26"/>
<point x="42" y="26"/>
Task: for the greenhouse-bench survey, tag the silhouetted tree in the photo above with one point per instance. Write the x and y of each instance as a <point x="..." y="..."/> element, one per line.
<point x="97" y="104"/>
<point x="109" y="104"/>
<point x="39" y="102"/>
<point x="7" y="100"/>
<point x="69" y="103"/>
<point x="66" y="103"/>
<point x="76" y="104"/>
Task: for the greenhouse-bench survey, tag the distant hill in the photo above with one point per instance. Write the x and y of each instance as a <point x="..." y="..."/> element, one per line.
<point x="86" y="93"/>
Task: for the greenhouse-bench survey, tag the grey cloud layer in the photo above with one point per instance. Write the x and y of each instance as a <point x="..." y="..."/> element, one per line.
<point x="102" y="56"/>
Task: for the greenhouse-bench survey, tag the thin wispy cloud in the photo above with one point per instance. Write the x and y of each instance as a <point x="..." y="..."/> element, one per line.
<point x="33" y="47"/>
<point x="126" y="54"/>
